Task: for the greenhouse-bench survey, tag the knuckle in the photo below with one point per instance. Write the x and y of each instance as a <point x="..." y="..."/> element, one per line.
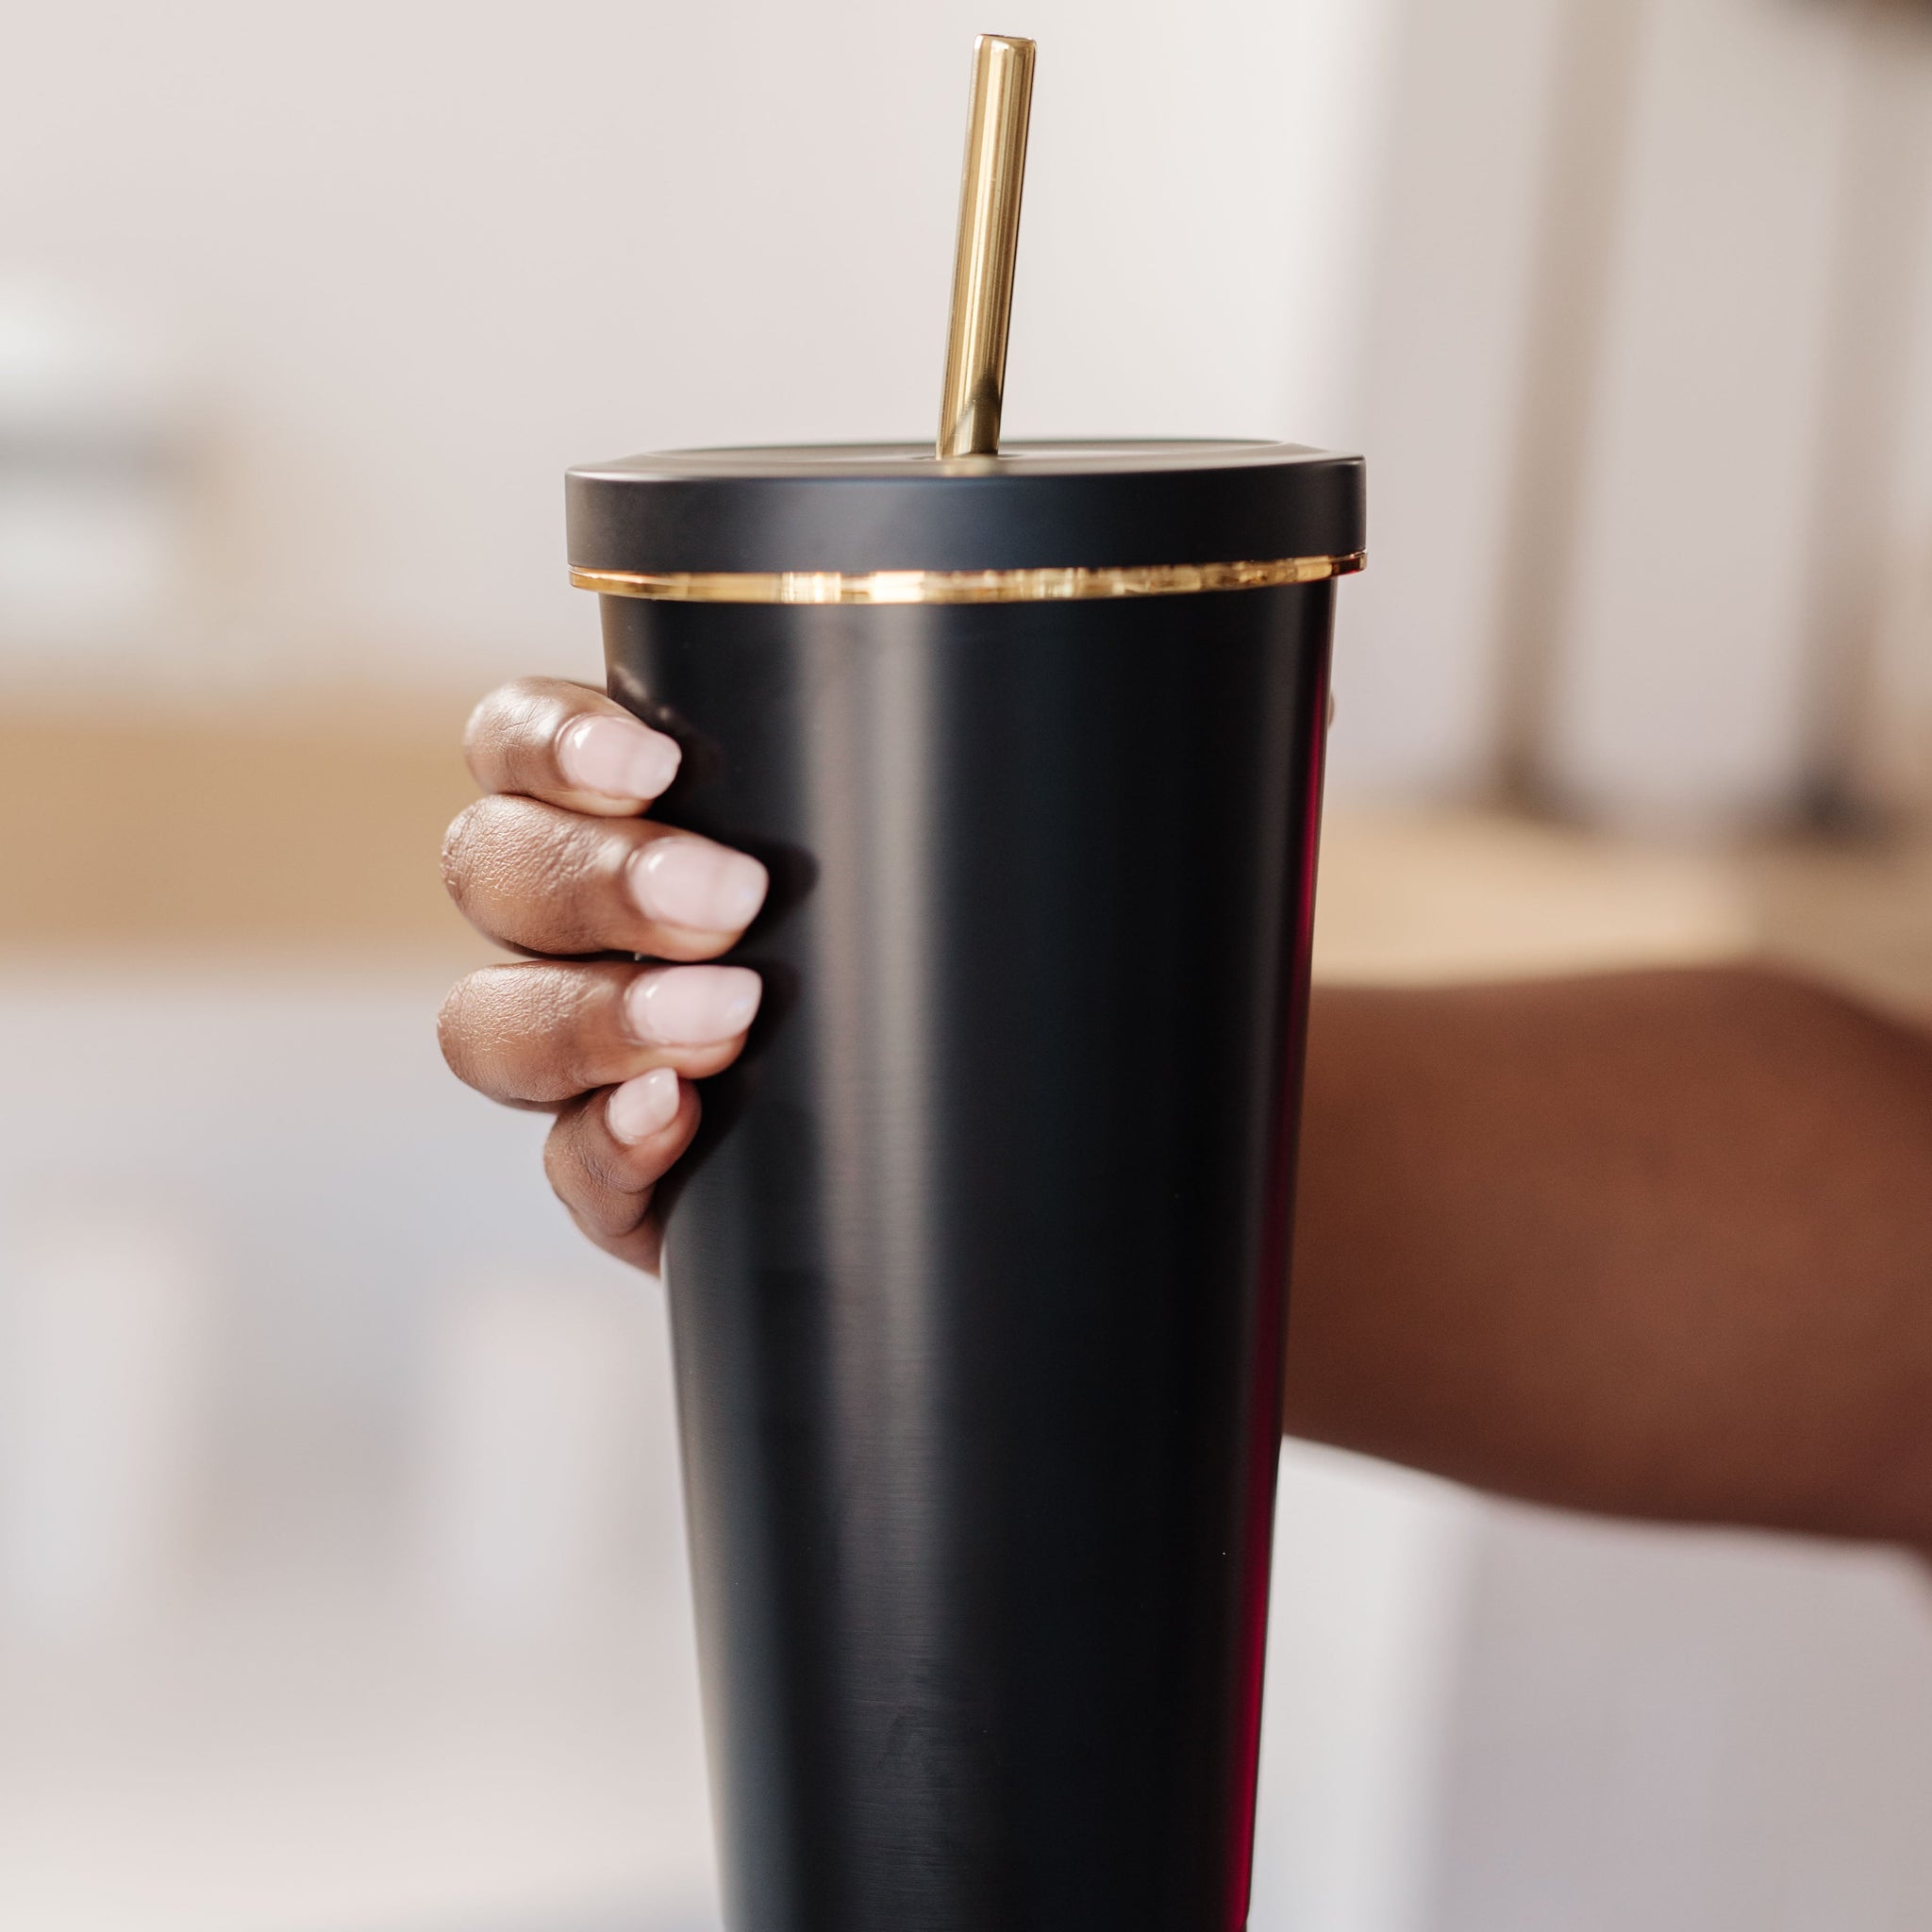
<point x="518" y="1032"/>
<point x="507" y="857"/>
<point x="453" y="1034"/>
<point x="562" y="1166"/>
<point x="578" y="1014"/>
<point x="517" y="692"/>
<point x="540" y="876"/>
<point x="483" y="713"/>
<point x="505" y="724"/>
<point x="566" y="854"/>
<point x="458" y="851"/>
<point x="614" y="1172"/>
<point x="546" y="1015"/>
<point x="604" y="1204"/>
<point x="483" y="733"/>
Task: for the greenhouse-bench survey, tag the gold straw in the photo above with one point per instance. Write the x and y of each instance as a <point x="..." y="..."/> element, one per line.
<point x="988" y="240"/>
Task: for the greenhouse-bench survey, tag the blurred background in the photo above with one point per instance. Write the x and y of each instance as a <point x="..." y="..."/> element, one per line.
<point x="340" y="1568"/>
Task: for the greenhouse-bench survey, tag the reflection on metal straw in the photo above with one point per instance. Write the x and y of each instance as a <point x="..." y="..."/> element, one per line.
<point x="989" y="242"/>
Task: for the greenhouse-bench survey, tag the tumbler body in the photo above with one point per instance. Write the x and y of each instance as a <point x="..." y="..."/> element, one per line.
<point x="978" y="1274"/>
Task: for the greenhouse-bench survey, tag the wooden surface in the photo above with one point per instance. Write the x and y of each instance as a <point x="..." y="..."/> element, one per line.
<point x="313" y="827"/>
<point x="1470" y="895"/>
<point x="307" y="827"/>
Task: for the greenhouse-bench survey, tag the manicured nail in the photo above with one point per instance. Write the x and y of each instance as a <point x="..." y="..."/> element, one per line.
<point x="691" y="1005"/>
<point x="692" y="883"/>
<point x="617" y="757"/>
<point x="643" y="1106"/>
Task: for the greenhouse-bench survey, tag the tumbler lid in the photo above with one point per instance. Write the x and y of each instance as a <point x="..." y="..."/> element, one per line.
<point x="855" y="509"/>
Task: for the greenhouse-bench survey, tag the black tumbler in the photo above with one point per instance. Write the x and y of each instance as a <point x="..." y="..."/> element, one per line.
<point x="978" y="1271"/>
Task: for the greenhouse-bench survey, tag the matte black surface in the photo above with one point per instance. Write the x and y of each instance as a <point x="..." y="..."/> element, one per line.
<point x="977" y="1278"/>
<point x="861" y="508"/>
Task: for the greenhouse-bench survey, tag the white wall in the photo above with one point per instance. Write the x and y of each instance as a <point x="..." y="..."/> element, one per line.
<point x="413" y="259"/>
<point x="1645" y="408"/>
<point x="1443" y="354"/>
<point x="1682" y="688"/>
<point x="422" y="256"/>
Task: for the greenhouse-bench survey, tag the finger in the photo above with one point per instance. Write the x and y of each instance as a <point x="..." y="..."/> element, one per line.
<point x="568" y="745"/>
<point x="609" y="1151"/>
<point x="543" y="1032"/>
<point x="549" y="880"/>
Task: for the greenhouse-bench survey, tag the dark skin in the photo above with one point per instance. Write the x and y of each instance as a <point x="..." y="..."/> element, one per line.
<point x="1657" y="1245"/>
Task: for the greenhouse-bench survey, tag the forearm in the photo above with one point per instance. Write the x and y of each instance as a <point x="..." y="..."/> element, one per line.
<point x="1658" y="1244"/>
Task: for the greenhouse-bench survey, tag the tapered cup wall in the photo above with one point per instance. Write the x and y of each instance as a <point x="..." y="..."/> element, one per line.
<point x="977" y="1275"/>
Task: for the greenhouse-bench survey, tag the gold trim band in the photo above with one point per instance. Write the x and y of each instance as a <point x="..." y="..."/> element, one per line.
<point x="960" y="585"/>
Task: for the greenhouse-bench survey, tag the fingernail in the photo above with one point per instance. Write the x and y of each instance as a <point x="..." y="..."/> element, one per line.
<point x="617" y="757"/>
<point x="692" y="883"/>
<point x="692" y="1005"/>
<point x="643" y="1106"/>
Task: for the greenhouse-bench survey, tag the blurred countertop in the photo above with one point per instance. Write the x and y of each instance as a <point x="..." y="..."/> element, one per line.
<point x="312" y="826"/>
<point x="312" y="823"/>
<point x="1464" y="892"/>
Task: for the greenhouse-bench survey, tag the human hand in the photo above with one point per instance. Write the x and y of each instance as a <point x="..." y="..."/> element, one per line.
<point x="558" y="862"/>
